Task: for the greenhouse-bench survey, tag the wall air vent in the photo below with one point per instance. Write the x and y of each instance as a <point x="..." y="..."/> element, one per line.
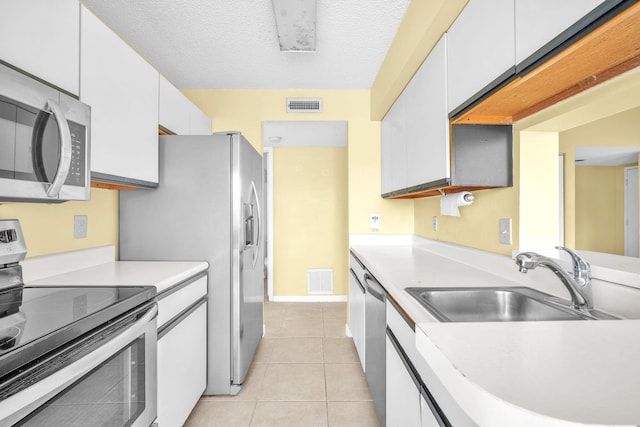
<point x="304" y="105"/>
<point x="320" y="281"/>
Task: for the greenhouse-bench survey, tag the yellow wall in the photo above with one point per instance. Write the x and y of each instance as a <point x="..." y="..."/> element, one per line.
<point x="478" y="224"/>
<point x="599" y="195"/>
<point x="621" y="129"/>
<point x="310" y="216"/>
<point x="245" y="110"/>
<point x="48" y="228"/>
<point x="423" y="24"/>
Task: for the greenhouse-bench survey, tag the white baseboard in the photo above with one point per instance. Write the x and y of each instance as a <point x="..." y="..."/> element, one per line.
<point x="309" y="298"/>
<point x="347" y="331"/>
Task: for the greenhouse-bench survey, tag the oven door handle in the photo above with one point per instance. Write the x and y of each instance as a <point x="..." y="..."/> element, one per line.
<point x="23" y="403"/>
<point x="64" y="163"/>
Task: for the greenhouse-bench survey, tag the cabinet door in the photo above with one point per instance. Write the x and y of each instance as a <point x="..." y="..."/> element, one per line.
<point x="182" y="368"/>
<point x="174" y="109"/>
<point x="122" y="90"/>
<point x="42" y="37"/>
<point x="480" y="49"/>
<point x="539" y="21"/>
<point x="200" y="123"/>
<point x="394" y="148"/>
<point x="356" y="315"/>
<point x="428" y="419"/>
<point x="178" y="114"/>
<point x="403" y="396"/>
<point x="427" y="120"/>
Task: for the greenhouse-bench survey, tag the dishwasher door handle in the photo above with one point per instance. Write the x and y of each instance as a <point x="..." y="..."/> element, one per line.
<point x="375" y="288"/>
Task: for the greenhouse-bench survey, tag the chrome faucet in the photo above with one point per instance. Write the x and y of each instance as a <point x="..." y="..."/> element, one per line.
<point x="578" y="284"/>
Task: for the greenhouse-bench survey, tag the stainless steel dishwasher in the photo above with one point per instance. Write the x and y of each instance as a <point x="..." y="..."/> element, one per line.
<point x="375" y="344"/>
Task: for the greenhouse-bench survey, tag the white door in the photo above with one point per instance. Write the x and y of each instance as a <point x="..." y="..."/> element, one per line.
<point x="631" y="211"/>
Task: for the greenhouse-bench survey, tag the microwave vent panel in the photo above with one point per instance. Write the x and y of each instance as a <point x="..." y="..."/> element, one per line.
<point x="304" y="105"/>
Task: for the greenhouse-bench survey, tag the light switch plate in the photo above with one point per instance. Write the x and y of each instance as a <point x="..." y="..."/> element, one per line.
<point x="505" y="231"/>
<point x="434" y="223"/>
<point x="80" y="226"/>
<point x="375" y="222"/>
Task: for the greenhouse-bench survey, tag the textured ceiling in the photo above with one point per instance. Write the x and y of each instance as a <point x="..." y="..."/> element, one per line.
<point x="232" y="44"/>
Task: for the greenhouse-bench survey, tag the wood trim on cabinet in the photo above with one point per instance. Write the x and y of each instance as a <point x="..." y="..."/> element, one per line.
<point x="111" y="186"/>
<point x="610" y="50"/>
<point x="439" y="192"/>
<point x="164" y="131"/>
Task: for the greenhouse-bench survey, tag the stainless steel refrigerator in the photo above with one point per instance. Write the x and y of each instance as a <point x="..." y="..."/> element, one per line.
<point x="208" y="207"/>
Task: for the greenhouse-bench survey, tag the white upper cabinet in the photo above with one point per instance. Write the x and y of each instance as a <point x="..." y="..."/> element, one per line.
<point x="427" y="121"/>
<point x="415" y="131"/>
<point x="200" y="123"/>
<point x="42" y="37"/>
<point x="178" y="114"/>
<point x="122" y="90"/>
<point x="539" y="21"/>
<point x="174" y="107"/>
<point x="480" y="48"/>
<point x="394" y="149"/>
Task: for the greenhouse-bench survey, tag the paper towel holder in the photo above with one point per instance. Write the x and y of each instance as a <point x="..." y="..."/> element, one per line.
<point x="468" y="197"/>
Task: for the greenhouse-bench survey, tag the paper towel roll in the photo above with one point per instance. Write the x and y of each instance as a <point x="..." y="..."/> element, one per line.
<point x="449" y="203"/>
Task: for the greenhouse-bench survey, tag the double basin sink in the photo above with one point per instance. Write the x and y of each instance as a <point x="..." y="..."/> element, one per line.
<point x="498" y="304"/>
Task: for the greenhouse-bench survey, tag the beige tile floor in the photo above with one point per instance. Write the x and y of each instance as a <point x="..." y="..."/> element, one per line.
<point x="305" y="373"/>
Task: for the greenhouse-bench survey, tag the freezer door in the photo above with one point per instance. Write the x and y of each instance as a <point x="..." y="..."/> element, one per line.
<point x="248" y="291"/>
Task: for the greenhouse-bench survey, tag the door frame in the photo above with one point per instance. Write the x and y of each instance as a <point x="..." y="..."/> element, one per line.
<point x="268" y="170"/>
<point x="628" y="208"/>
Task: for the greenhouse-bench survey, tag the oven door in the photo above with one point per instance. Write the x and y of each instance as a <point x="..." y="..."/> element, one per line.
<point x="113" y="384"/>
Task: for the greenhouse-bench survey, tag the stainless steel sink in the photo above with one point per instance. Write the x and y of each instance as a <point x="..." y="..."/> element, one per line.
<point x="497" y="304"/>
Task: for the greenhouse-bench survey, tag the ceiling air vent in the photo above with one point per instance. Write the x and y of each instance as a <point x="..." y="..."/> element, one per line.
<point x="304" y="105"/>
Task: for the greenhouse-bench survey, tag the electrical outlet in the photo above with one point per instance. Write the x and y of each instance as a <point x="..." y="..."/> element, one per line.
<point x="375" y="222"/>
<point x="505" y="231"/>
<point x="434" y="223"/>
<point x="80" y="226"/>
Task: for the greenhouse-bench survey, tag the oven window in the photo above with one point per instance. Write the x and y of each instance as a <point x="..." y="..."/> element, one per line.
<point x="112" y="395"/>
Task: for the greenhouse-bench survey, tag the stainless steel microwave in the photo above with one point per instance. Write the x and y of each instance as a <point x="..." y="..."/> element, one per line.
<point x="44" y="142"/>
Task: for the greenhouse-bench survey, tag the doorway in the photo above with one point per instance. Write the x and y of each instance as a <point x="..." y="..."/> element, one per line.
<point x="631" y="211"/>
<point x="267" y="164"/>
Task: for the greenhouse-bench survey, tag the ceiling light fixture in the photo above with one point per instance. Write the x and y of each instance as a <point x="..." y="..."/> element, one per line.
<point x="296" y="24"/>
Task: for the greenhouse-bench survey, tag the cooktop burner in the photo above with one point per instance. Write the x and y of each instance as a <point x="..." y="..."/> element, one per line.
<point x="35" y="320"/>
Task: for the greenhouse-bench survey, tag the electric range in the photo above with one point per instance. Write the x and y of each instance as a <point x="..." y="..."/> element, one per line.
<point x="37" y="320"/>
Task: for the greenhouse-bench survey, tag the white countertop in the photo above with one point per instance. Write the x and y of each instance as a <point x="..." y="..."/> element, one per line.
<point x="516" y="373"/>
<point x="160" y="274"/>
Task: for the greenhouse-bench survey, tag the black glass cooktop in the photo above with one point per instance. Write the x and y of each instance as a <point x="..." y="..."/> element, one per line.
<point x="36" y="320"/>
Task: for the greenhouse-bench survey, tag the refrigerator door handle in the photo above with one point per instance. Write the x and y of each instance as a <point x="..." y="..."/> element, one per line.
<point x="259" y="223"/>
<point x="248" y="225"/>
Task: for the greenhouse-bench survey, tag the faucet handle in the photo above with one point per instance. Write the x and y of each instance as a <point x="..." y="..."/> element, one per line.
<point x="578" y="261"/>
<point x="581" y="268"/>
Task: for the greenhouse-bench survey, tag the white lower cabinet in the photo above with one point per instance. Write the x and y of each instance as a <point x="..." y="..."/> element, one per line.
<point x="356" y="315"/>
<point x="357" y="307"/>
<point x="415" y="396"/>
<point x="427" y="419"/>
<point x="182" y="367"/>
<point x="403" y="395"/>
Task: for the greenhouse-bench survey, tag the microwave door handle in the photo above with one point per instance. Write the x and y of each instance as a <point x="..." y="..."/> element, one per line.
<point x="64" y="163"/>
